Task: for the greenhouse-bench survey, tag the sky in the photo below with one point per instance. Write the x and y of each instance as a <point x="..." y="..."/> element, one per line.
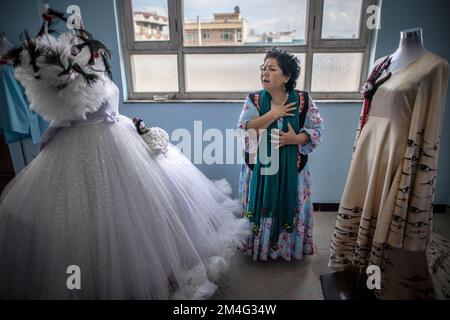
<point x="341" y="16"/>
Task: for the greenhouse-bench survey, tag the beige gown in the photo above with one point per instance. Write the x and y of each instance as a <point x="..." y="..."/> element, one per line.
<point x="385" y="214"/>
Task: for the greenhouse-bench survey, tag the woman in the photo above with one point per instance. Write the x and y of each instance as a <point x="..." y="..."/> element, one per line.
<point x="279" y="205"/>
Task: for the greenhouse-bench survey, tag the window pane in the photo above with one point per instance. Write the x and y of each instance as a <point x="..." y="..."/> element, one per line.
<point x="244" y="22"/>
<point x="154" y="73"/>
<point x="336" y="72"/>
<point x="341" y="19"/>
<point x="227" y="72"/>
<point x="150" y="20"/>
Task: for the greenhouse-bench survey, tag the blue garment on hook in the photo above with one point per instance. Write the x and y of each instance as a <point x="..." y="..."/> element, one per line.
<point x="15" y="116"/>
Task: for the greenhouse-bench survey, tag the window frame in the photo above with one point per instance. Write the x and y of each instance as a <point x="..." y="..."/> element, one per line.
<point x="314" y="44"/>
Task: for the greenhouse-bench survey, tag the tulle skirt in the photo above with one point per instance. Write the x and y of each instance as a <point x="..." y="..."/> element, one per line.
<point x="138" y="226"/>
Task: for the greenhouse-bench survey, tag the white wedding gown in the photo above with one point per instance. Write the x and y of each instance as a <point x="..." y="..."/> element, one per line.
<point x="139" y="226"/>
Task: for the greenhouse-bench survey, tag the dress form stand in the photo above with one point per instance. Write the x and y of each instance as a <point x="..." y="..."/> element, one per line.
<point x="351" y="284"/>
<point x="409" y="50"/>
<point x="346" y="285"/>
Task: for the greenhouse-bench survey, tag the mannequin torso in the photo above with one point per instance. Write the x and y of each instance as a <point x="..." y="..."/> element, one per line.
<point x="410" y="49"/>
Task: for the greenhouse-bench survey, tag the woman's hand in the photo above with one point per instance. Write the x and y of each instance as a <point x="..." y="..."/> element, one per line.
<point x="280" y="138"/>
<point x="282" y="110"/>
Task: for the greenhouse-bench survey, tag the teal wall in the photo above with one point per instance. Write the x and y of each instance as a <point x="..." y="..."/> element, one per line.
<point x="329" y="164"/>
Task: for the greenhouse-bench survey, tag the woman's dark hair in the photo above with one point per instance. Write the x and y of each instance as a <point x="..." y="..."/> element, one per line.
<point x="289" y="64"/>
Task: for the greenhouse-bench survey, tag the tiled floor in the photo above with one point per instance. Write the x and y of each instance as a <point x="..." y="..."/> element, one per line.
<point x="278" y="279"/>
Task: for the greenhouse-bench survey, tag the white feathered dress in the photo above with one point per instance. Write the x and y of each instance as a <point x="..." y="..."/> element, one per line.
<point x="138" y="226"/>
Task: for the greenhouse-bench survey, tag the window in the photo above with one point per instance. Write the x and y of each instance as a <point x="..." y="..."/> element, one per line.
<point x="225" y="35"/>
<point x="151" y="25"/>
<point x="238" y="35"/>
<point x="186" y="50"/>
<point x="190" y="37"/>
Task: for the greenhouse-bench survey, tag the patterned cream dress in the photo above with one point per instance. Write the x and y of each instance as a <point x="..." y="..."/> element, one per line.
<point x="385" y="214"/>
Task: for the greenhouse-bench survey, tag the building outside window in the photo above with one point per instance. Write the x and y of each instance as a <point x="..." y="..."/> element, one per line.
<point x="189" y="51"/>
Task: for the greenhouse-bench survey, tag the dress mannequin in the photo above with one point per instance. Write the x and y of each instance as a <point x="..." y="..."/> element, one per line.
<point x="409" y="50"/>
<point x="385" y="213"/>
